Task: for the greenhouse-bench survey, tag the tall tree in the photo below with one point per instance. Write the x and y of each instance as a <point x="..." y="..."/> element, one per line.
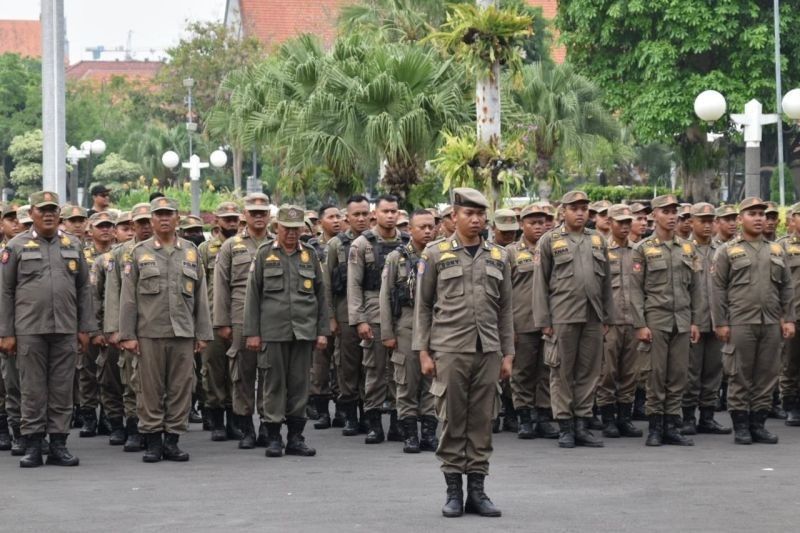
<point x="20" y="101"/>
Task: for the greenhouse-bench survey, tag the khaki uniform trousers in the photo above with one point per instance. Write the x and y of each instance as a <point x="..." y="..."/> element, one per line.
<point x="215" y="374"/>
<point x="165" y="378"/>
<point x="379" y="384"/>
<point x="620" y="366"/>
<point x="110" y="380"/>
<point x="752" y="363"/>
<point x="790" y="371"/>
<point x="46" y="366"/>
<point x="705" y="372"/>
<point x="246" y="393"/>
<point x="350" y="371"/>
<point x="128" y="364"/>
<point x="2" y="395"/>
<point x="8" y="367"/>
<point x="285" y="368"/>
<point x="465" y="388"/>
<point x="574" y="363"/>
<point x="667" y="365"/>
<point x="530" y="377"/>
<point x="322" y="383"/>
<point x="88" y="387"/>
<point x="414" y="398"/>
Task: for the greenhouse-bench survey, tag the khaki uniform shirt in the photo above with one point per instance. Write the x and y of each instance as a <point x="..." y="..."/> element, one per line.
<point x="666" y="284"/>
<point x="337" y="255"/>
<point x="520" y="255"/>
<point x="44" y="286"/>
<point x="364" y="305"/>
<point x="230" y="278"/>
<point x="571" y="279"/>
<point x="208" y="251"/>
<point x="620" y="263"/>
<point x="97" y="276"/>
<point x="752" y="284"/>
<point x="463" y="303"/>
<point x="791" y="247"/>
<point x="164" y="293"/>
<point x="285" y="298"/>
<point x="120" y="256"/>
<point x="706" y="254"/>
<point x="396" y="272"/>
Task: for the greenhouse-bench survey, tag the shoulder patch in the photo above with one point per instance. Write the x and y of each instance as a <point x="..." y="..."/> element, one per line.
<point x="496" y="253"/>
<point x="444" y="246"/>
<point x="597" y="241"/>
<point x="687" y="248"/>
<point x="775" y="249"/>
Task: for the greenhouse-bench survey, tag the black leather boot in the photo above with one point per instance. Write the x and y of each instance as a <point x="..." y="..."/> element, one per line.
<point x="509" y="416"/>
<point x="350" y="428"/>
<point x="194" y="415"/>
<point x="410" y="430"/>
<point x="428" y="441"/>
<point x="338" y="416"/>
<point x="566" y="433"/>
<point x="295" y="442"/>
<point x="707" y="423"/>
<point x="77" y="421"/>
<point x="261" y="440"/>
<point x="639" y="400"/>
<point x="757" y="429"/>
<point x="741" y="427"/>
<point x="324" y="420"/>
<point x="219" y="432"/>
<point x="497" y="425"/>
<point x="311" y="408"/>
<point x="59" y="454"/>
<point x="454" y="505"/>
<point x="103" y="423"/>
<point x="672" y="432"/>
<point x="134" y="442"/>
<point x="545" y="428"/>
<point x="395" y="433"/>
<point x="609" y="414"/>
<point x="231" y="431"/>
<point x="171" y="450"/>
<point x="792" y="408"/>
<point x="33" y="451"/>
<point x="363" y="418"/>
<point x="89" y="417"/>
<point x="274" y="440"/>
<point x="776" y="411"/>
<point x="117" y="437"/>
<point x="584" y="437"/>
<point x="593" y="422"/>
<point x="655" y="430"/>
<point x="208" y="421"/>
<point x="722" y="399"/>
<point x="19" y="445"/>
<point x="477" y="500"/>
<point x="375" y="435"/>
<point x="689" y="423"/>
<point x="624" y="424"/>
<point x="525" y="430"/>
<point x="5" y="436"/>
<point x="155" y="448"/>
<point x="248" y="440"/>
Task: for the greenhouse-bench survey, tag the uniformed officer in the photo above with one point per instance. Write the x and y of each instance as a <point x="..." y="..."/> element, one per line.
<point x="573" y="305"/>
<point x="46" y="300"/>
<point x="790" y="371"/>
<point x="448" y="225"/>
<point x="128" y="362"/>
<point x="284" y="317"/>
<point x="726" y="228"/>
<point x="24" y="216"/>
<point x="164" y="320"/>
<point x="772" y="214"/>
<point x="602" y="222"/>
<point x="349" y="368"/>
<point x="705" y="359"/>
<point x="191" y="228"/>
<point x="73" y="220"/>
<point x="684" y="227"/>
<point x="505" y="227"/>
<point x="666" y="298"/>
<point x="464" y="332"/>
<point x="639" y="225"/>
<point x="752" y="306"/>
<point x="123" y="230"/>
<point x="9" y="376"/>
<point x="530" y="378"/>
<point x="217" y="382"/>
<point x="620" y="369"/>
<point x="414" y="400"/>
<point x="230" y="285"/>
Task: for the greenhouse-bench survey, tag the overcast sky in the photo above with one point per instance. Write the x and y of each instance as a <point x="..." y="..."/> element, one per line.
<point x="156" y="24"/>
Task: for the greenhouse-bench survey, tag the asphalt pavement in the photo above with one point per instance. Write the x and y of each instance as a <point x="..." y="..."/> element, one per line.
<point x="349" y="486"/>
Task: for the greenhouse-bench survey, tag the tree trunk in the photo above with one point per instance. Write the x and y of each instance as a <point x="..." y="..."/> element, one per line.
<point x="238" y="162"/>
<point x="487" y="110"/>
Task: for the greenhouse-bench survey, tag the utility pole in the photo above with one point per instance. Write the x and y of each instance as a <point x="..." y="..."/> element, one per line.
<point x="53" y="100"/>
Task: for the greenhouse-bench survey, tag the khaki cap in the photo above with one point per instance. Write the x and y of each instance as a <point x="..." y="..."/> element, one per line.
<point x="447" y="211"/>
<point x="795" y="209"/>
<point x="291" y="216"/>
<point x="43" y="198"/>
<point x="665" y="200"/>
<point x="772" y="207"/>
<point x="191" y="221"/>
<point x="467" y="197"/>
<point x="752" y="202"/>
<point x="703" y="209"/>
<point x="140" y="211"/>
<point x="72" y="211"/>
<point x="227" y="209"/>
<point x="312" y="215"/>
<point x="8" y="209"/>
<point x="102" y="217"/>
<point x="726" y="211"/>
<point x="535" y="208"/>
<point x="124" y="217"/>
<point x="433" y="211"/>
<point x="506" y="220"/>
<point x="574" y="197"/>
<point x="685" y="210"/>
<point x="599" y="206"/>
<point x="620" y="212"/>
<point x="258" y="201"/>
<point x="638" y="207"/>
<point x="402" y="220"/>
<point x="163" y="204"/>
<point x="24" y="214"/>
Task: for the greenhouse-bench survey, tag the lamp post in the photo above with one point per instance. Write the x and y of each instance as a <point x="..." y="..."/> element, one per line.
<point x="709" y="106"/>
<point x="74" y="156"/>
<point x="171" y="160"/>
<point x="87" y="150"/>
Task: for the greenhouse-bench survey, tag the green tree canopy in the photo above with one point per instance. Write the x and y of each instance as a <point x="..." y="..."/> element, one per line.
<point x="115" y="169"/>
<point x="26" y="152"/>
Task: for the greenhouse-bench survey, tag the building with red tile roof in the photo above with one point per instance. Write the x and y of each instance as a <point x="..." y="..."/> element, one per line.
<point x="23" y="37"/>
<point x="103" y="71"/>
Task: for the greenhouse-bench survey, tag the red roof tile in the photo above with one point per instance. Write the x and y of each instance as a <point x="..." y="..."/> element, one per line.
<point x="103" y="71"/>
<point x="274" y="21"/>
<point x="23" y="37"/>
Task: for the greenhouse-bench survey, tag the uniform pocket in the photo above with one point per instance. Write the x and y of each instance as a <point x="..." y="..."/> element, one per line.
<point x="399" y="360"/>
<point x="740" y="271"/>
<point x="656" y="272"/>
<point x="240" y="267"/>
<point x="564" y="266"/>
<point x="30" y="263"/>
<point x="452" y="280"/>
<point x="645" y="358"/>
<point x="776" y="269"/>
<point x="729" y="365"/>
<point x="189" y="281"/>
<point x="551" y="356"/>
<point x="149" y="281"/>
<point x="438" y="390"/>
<point x="494" y="277"/>
<point x="306" y="281"/>
<point x="273" y="279"/>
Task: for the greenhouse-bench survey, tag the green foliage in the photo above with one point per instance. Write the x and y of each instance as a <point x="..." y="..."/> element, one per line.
<point x="116" y="169"/>
<point x="618" y="194"/>
<point x="775" y="186"/>
<point x="26" y="152"/>
<point x="20" y="101"/>
<point x="140" y="192"/>
<point x="428" y="192"/>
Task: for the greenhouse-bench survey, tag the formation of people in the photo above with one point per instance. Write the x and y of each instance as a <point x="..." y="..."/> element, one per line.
<point x="564" y="322"/>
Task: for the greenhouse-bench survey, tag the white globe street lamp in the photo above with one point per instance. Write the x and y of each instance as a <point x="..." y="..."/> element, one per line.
<point x="791" y="104"/>
<point x="709" y="106"/>
<point x="171" y="160"/>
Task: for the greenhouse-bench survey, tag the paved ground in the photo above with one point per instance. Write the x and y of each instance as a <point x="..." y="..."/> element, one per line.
<point x="715" y="486"/>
